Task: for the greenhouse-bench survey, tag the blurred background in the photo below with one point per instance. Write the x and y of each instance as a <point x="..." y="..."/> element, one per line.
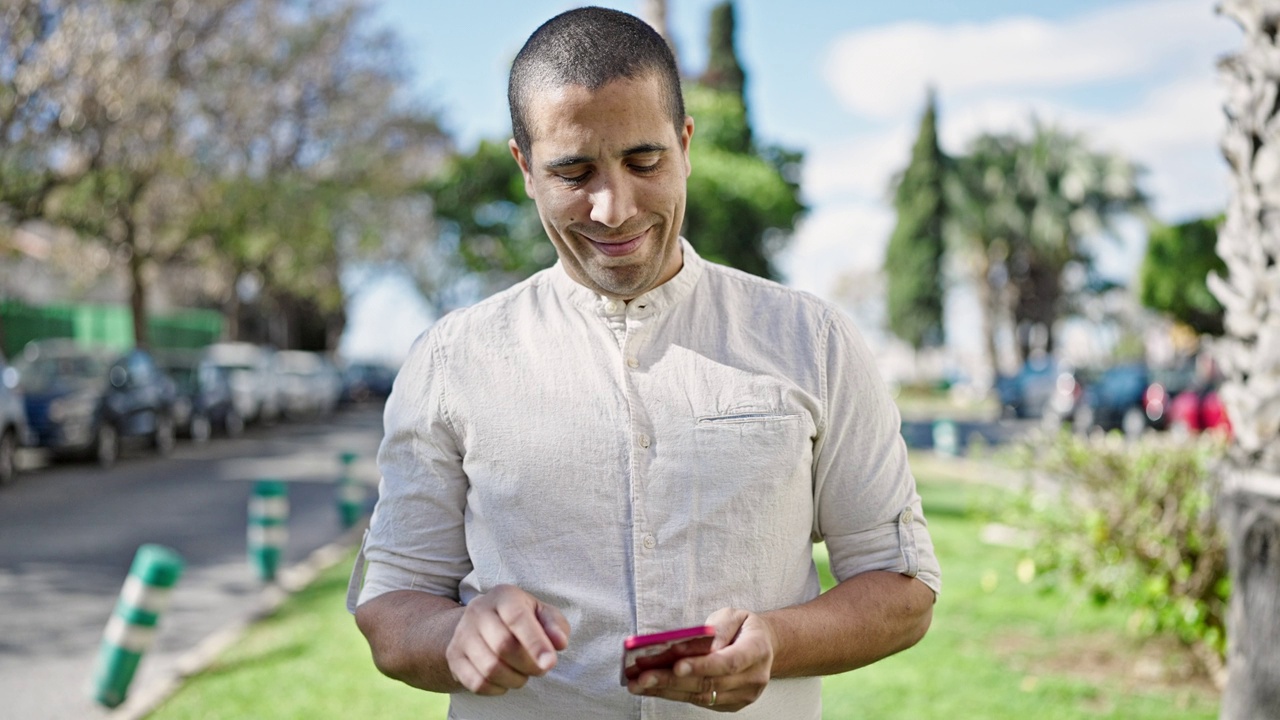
<point x="230" y="219"/>
<point x="331" y="176"/>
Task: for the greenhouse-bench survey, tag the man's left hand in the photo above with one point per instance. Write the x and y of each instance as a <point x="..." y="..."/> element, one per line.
<point x="730" y="677"/>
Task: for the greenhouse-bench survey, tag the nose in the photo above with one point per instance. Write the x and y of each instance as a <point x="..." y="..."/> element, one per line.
<point x="613" y="202"/>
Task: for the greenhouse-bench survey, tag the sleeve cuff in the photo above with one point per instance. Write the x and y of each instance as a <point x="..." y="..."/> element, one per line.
<point x="902" y="546"/>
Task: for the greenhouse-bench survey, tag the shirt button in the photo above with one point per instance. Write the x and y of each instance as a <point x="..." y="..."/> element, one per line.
<point x="612" y="306"/>
<point x="907" y="516"/>
<point x="633" y="363"/>
<point x="650" y="542"/>
<point x="644" y="440"/>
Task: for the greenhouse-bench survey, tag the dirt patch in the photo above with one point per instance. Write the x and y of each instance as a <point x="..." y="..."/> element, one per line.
<point x="1152" y="665"/>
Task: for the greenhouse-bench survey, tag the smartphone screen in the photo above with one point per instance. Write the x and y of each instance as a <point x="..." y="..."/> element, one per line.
<point x="662" y="650"/>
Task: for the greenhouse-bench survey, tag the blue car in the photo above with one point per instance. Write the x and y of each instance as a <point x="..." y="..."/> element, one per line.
<point x="85" y="402"/>
<point x="204" y="402"/>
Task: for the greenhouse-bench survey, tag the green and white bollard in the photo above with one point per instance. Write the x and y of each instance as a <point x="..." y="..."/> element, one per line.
<point x="350" y="493"/>
<point x="132" y="626"/>
<point x="268" y="527"/>
<point x="946" y="438"/>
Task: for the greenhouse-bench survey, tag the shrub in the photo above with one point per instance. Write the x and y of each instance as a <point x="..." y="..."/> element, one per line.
<point x="1133" y="522"/>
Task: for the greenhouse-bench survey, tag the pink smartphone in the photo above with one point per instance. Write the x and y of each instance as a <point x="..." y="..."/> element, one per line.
<point x="662" y="650"/>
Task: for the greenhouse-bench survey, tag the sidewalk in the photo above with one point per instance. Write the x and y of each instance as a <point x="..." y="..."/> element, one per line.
<point x="144" y="699"/>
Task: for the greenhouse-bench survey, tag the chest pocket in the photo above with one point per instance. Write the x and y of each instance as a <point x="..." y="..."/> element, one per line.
<point x="752" y="452"/>
<point x="744" y="417"/>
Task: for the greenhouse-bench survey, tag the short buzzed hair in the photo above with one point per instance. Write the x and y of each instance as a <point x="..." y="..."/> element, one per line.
<point x="590" y="47"/>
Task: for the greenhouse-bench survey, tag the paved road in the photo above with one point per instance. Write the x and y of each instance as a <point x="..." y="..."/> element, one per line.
<point x="919" y="433"/>
<point x="68" y="534"/>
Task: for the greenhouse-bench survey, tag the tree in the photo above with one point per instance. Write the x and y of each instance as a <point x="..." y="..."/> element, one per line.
<point x="744" y="199"/>
<point x="1174" y="274"/>
<point x="488" y="225"/>
<point x="248" y="137"/>
<point x="1249" y="356"/>
<point x="1023" y="209"/>
<point x="138" y="67"/>
<point x="741" y="206"/>
<point x="305" y="151"/>
<point x="913" y="258"/>
<point x="724" y="71"/>
<point x="33" y="65"/>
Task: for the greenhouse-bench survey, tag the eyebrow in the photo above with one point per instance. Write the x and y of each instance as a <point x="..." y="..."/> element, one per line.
<point x="572" y="160"/>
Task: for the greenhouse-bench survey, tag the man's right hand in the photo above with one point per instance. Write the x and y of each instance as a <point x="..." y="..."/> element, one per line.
<point x="505" y="637"/>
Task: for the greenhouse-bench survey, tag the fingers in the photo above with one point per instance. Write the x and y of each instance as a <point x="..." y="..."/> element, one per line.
<point x="502" y="640"/>
<point x="727" y="622"/>
<point x="734" y="674"/>
<point x="520" y="639"/>
<point x="554" y="624"/>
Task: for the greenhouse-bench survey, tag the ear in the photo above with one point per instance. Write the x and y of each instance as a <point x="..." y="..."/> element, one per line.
<point x="523" y="162"/>
<point x="686" y="135"/>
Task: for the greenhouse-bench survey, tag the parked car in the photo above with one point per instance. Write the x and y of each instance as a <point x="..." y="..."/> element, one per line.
<point x="309" y="384"/>
<point x="1118" y="401"/>
<point x="250" y="370"/>
<point x="1026" y="394"/>
<point x="204" y="400"/>
<point x="1166" y="384"/>
<point x="366" y="381"/>
<point x="1067" y="397"/>
<point x="1199" y="409"/>
<point x="14" y="431"/>
<point x="83" y="401"/>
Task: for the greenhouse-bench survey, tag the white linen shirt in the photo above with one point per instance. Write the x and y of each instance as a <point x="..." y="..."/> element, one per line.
<point x="640" y="465"/>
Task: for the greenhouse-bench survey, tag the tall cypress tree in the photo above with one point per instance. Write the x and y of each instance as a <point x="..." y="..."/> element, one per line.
<point x="913" y="259"/>
<point x="724" y="71"/>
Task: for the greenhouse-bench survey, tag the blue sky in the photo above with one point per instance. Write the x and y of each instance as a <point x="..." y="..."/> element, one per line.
<point x="845" y="80"/>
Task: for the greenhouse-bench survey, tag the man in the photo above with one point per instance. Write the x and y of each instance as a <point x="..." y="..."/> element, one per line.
<point x="634" y="441"/>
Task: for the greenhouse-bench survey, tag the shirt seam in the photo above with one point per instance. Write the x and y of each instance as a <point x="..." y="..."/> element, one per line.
<point x="824" y="345"/>
<point x="437" y="350"/>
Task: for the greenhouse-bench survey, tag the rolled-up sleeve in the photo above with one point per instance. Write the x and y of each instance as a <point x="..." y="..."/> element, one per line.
<point x="416" y="538"/>
<point x="866" y="509"/>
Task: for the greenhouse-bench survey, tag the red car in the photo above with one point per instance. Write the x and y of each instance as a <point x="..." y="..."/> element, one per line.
<point x="1199" y="410"/>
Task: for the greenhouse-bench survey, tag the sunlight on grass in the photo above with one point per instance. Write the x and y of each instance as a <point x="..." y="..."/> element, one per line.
<point x="999" y="648"/>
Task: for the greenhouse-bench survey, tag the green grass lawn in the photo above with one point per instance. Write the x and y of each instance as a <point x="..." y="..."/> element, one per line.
<point x="998" y="649"/>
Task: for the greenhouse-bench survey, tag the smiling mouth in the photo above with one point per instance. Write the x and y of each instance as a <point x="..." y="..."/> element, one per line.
<point x="621" y="247"/>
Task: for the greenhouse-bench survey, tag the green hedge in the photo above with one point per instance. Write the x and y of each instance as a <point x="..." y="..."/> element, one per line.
<point x="1133" y="522"/>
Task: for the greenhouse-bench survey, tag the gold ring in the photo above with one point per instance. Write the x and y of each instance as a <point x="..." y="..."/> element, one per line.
<point x="713" y="699"/>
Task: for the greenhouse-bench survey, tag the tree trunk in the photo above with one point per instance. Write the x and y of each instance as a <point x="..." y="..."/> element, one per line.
<point x="1250" y="516"/>
<point x="1038" y="292"/>
<point x="1250" y="359"/>
<point x="987" y="302"/>
<point x="138" y="298"/>
<point x="654" y="12"/>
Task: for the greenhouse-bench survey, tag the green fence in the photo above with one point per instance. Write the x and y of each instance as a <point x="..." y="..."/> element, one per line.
<point x="103" y="325"/>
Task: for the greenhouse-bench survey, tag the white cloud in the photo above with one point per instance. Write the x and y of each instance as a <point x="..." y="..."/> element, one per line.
<point x="384" y="319"/>
<point x="881" y="72"/>
<point x="833" y="240"/>
<point x="856" y="167"/>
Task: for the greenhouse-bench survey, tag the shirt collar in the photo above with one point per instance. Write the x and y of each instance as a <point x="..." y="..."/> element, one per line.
<point x="658" y="299"/>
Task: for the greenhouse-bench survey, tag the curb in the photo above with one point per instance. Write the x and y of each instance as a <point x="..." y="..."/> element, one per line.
<point x="140" y="704"/>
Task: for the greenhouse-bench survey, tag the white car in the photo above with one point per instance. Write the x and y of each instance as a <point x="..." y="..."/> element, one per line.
<point x="250" y="370"/>
<point x="309" y="384"/>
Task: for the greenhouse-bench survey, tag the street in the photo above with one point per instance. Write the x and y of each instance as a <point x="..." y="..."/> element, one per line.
<point x="69" y="531"/>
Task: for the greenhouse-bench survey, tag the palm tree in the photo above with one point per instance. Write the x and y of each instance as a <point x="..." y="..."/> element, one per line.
<point x="1022" y="210"/>
<point x="1250" y="358"/>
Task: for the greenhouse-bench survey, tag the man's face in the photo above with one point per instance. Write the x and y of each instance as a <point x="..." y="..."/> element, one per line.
<point x="607" y="171"/>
